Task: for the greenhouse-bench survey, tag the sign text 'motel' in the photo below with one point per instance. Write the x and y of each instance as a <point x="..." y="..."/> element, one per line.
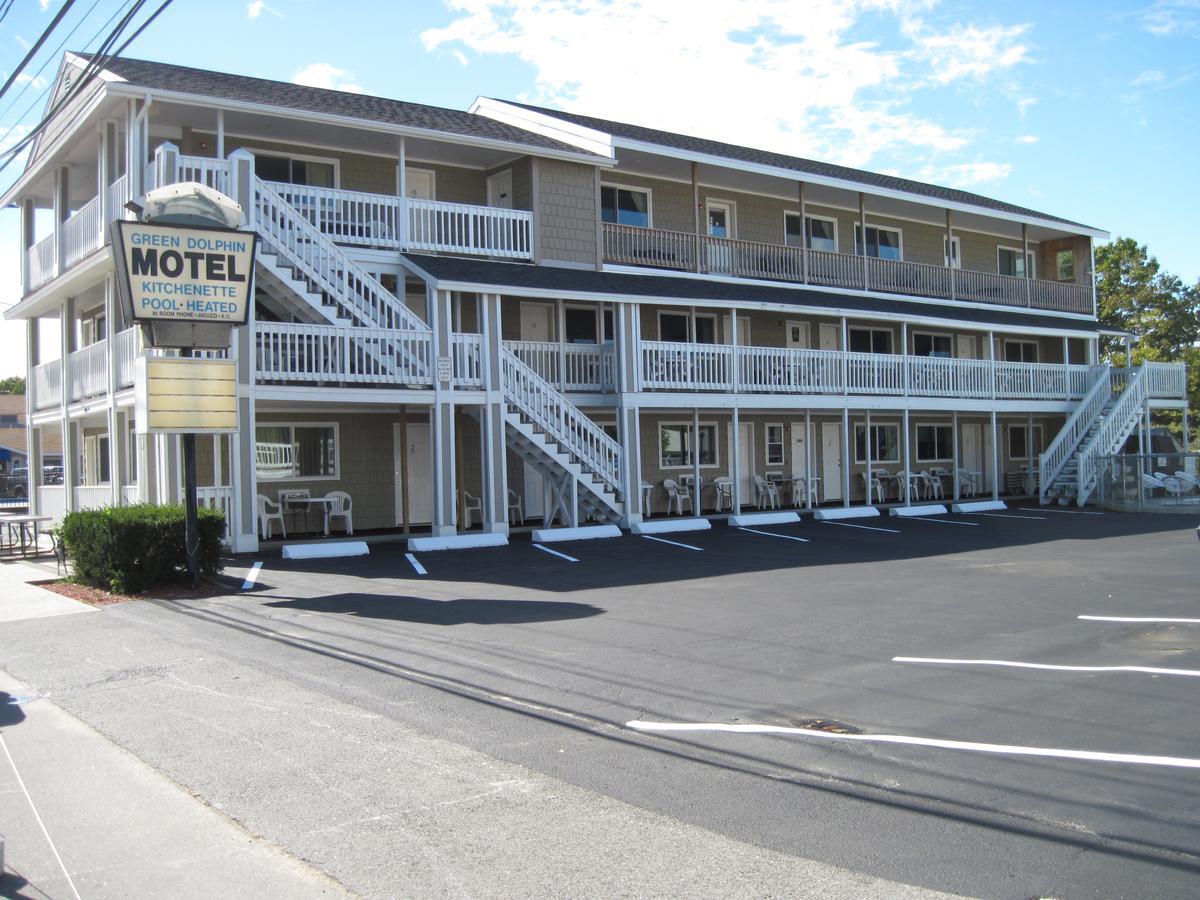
<point x="185" y="273"/>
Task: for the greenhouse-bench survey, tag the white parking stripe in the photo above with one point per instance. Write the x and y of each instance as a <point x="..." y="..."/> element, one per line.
<point x="1139" y="759"/>
<point x="546" y="549"/>
<point x="1146" y="670"/>
<point x="252" y="575"/>
<point x="1069" y="512"/>
<point x="786" y="537"/>
<point x="1138" y="619"/>
<point x="1006" y="516"/>
<point x="867" y="527"/>
<point x="943" y="521"/>
<point x="651" y="537"/>
<point x="417" y="567"/>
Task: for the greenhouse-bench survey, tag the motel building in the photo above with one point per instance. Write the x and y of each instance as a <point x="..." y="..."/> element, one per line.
<point x="471" y="320"/>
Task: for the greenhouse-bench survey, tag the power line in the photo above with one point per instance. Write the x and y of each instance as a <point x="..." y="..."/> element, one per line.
<point x="37" y="45"/>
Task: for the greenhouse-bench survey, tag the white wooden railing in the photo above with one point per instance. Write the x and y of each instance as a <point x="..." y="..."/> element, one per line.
<point x="1055" y="456"/>
<point x="218" y="498"/>
<point x="125" y="349"/>
<point x="118" y="195"/>
<point x="467" y="228"/>
<point x="751" y="259"/>
<point x="213" y="173"/>
<point x="990" y="287"/>
<point x="1114" y="428"/>
<point x="41" y="261"/>
<point x="834" y="269"/>
<point x="1166" y="381"/>
<point x="898" y="277"/>
<point x="348" y="217"/>
<point x="288" y="352"/>
<point x="572" y="367"/>
<point x="1061" y="296"/>
<point x="466" y="359"/>
<point x="561" y="420"/>
<point x="657" y="247"/>
<point x="93" y="496"/>
<point x="52" y="501"/>
<point x="81" y="233"/>
<point x="47" y="384"/>
<point x="129" y="495"/>
<point x="774" y="369"/>
<point x="676" y="365"/>
<point x="89" y="371"/>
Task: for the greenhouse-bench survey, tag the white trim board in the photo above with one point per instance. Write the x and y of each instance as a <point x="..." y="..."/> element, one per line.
<point x="582" y="533"/>
<point x="667" y="526"/>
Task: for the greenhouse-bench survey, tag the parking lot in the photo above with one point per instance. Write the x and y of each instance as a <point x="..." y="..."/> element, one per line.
<point x="997" y="704"/>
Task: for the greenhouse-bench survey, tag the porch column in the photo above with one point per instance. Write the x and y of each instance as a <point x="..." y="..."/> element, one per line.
<point x="445" y="493"/>
<point x="1185" y="431"/>
<point x="954" y="452"/>
<point x="696" y="460"/>
<point x="862" y="218"/>
<point x="1030" y="473"/>
<point x="69" y="447"/>
<point x="904" y="361"/>
<point x="846" y="458"/>
<point x="116" y="446"/>
<point x="807" y="459"/>
<point x="33" y="436"/>
<point x="402" y="193"/>
<point x="907" y="448"/>
<point x="845" y="362"/>
<point x="1066" y="350"/>
<point x="991" y="339"/>
<point x="102" y="179"/>
<point x="1025" y="264"/>
<point x="995" y="460"/>
<point x="697" y="218"/>
<point x="734" y="367"/>
<point x="27" y="234"/>
<point x="627" y="374"/>
<point x="803" y="237"/>
<point x="870" y="454"/>
<point x="491" y="422"/>
<point x="560" y="326"/>
<point x="62" y="211"/>
<point x="950" y="254"/>
<point x="735" y="461"/>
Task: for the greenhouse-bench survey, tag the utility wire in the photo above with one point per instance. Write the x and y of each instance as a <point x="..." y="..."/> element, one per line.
<point x="37" y="45"/>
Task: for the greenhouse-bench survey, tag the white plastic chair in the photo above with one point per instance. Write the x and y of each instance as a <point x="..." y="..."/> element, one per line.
<point x="471" y="504"/>
<point x="269" y="512"/>
<point x="966" y="483"/>
<point x="931" y="485"/>
<point x="647" y="487"/>
<point x="339" y="507"/>
<point x="875" y="487"/>
<point x="515" y="502"/>
<point x="675" y="495"/>
<point x="765" y="491"/>
<point x="724" y="489"/>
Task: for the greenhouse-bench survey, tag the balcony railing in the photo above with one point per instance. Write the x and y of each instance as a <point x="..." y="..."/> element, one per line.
<point x="467" y="358"/>
<point x="88" y="368"/>
<point x="656" y="247"/>
<point x="674" y="366"/>
<point x="328" y="354"/>
<point x="42" y="263"/>
<point x="81" y="233"/>
<point x="126" y="352"/>
<point x="47" y="384"/>
<point x="569" y="367"/>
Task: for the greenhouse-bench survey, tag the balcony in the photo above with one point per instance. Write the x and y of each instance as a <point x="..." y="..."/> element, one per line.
<point x="686" y="252"/>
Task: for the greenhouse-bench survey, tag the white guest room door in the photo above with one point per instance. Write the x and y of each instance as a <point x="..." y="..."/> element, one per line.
<point x="420" y="475"/>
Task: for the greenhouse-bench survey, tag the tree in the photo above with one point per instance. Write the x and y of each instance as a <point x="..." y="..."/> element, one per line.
<point x="13" y="385"/>
<point x="1134" y="294"/>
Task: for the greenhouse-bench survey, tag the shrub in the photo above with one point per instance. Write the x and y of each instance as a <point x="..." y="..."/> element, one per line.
<point x="129" y="549"/>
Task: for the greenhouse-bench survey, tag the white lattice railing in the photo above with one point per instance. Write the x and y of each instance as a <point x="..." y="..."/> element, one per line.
<point x="466" y="228"/>
<point x="93" y="496"/>
<point x="47" y="384"/>
<point x="125" y="349"/>
<point x="348" y="217"/>
<point x="42" y="264"/>
<point x="325" y="266"/>
<point x="775" y="370"/>
<point x="81" y="233"/>
<point x="1055" y="456"/>
<point x="52" y="501"/>
<point x="751" y="259"/>
<point x="561" y="420"/>
<point x="220" y="498"/>
<point x="466" y="355"/>
<point x="287" y="352"/>
<point x="897" y="277"/>
<point x="835" y="269"/>
<point x="213" y="173"/>
<point x="89" y="371"/>
<point x="677" y="365"/>
<point x="572" y="367"/>
<point x="1166" y="381"/>
<point x="630" y="245"/>
<point x="118" y="195"/>
<point x="1114" y="429"/>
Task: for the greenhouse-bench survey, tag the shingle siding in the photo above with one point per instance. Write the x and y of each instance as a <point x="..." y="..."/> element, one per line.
<point x="567" y="212"/>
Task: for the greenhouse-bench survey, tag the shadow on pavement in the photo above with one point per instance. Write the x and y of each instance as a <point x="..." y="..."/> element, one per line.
<point x="442" y="612"/>
<point x="10" y="713"/>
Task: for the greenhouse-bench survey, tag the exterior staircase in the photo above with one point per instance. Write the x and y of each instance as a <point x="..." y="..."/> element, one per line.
<point x="1100" y="425"/>
<point x="557" y="438"/>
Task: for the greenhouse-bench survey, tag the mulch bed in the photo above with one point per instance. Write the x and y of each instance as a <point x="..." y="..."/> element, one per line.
<point x="95" y="596"/>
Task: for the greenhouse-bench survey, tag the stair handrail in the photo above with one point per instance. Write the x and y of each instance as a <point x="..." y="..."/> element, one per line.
<point x="287" y="232"/>
<point x="561" y="419"/>
<point x="1112" y="433"/>
<point x="1056" y="456"/>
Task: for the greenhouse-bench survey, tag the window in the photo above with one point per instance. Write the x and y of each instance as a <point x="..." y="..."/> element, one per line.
<point x="1009" y="262"/>
<point x="935" y="443"/>
<point x="609" y="325"/>
<point x="580" y="325"/>
<point x="1021" y="351"/>
<point x="1064" y="262"/>
<point x="296" y="451"/>
<point x="870" y="340"/>
<point x="925" y="344"/>
<point x="822" y="232"/>
<point x="774" y="445"/>
<point x="885" y="443"/>
<point x="1018" y="441"/>
<point x="625" y="206"/>
<point x="291" y="170"/>
<point x="675" y="445"/>
<point x="952" y="252"/>
<point x="705" y="329"/>
<point x="883" y="243"/>
<point x="673" y="326"/>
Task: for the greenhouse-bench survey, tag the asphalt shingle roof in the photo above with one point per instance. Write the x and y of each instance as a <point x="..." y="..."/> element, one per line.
<point x="182" y="79"/>
<point x="516" y="276"/>
<point x="690" y="144"/>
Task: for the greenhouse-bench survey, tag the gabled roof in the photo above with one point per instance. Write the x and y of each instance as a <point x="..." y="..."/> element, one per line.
<point x="703" y="146"/>
<point x="285" y="95"/>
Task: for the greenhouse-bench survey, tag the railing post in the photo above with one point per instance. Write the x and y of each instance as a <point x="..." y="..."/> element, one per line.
<point x="166" y="164"/>
<point x="862" y="219"/>
<point x="950" y="254"/>
<point x="241" y="185"/>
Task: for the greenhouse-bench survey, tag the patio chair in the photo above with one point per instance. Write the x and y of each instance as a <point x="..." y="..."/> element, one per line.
<point x="875" y="488"/>
<point x="269" y="512"/>
<point x="966" y="483"/>
<point x="765" y="491"/>
<point x="1152" y="484"/>
<point x="471" y="504"/>
<point x="1172" y="485"/>
<point x="675" y="495"/>
<point x="516" y="503"/>
<point x="724" y="489"/>
<point x="646" y="488"/>
<point x="931" y="486"/>
<point x="340" y="507"/>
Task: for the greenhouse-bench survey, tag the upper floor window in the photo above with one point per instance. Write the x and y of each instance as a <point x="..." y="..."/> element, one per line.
<point x="926" y="344"/>
<point x="821" y="232"/>
<point x="1011" y="261"/>
<point x="1021" y="351"/>
<point x="681" y="327"/>
<point x="870" y="340"/>
<point x="292" y="170"/>
<point x="625" y="206"/>
<point x="1064" y="261"/>
<point x="884" y="243"/>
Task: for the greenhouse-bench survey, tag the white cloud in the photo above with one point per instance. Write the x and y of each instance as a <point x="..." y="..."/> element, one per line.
<point x="1167" y="18"/>
<point x="827" y="78"/>
<point x="1028" y="139"/>
<point x="1024" y="103"/>
<point x="323" y="75"/>
<point x="1150" y="76"/>
<point x="965" y="175"/>
<point x="24" y="44"/>
<point x="461" y="57"/>
<point x="256" y="8"/>
<point x="37" y="81"/>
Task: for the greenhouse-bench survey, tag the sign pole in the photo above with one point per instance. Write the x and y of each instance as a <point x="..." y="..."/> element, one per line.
<point x="191" y="528"/>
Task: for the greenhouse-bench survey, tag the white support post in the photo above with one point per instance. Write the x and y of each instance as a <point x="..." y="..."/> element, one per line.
<point x="734" y="367"/>
<point x="560" y="325"/>
<point x="735" y="461"/>
<point x="70" y="455"/>
<point x="954" y="454"/>
<point x="116" y="468"/>
<point x="845" y="362"/>
<point x="862" y="219"/>
<point x="1030" y="473"/>
<point x="904" y="361"/>
<point x="491" y="420"/>
<point x="991" y="339"/>
<point x="907" y="450"/>
<point x="846" y="458"/>
<point x="1025" y="264"/>
<point x="402" y="192"/>
<point x="220" y="148"/>
<point x="442" y="420"/>
<point x="33" y="438"/>
<point x="102" y="179"/>
<point x="950" y="254"/>
<point x="870" y="454"/>
<point x="995" y="460"/>
<point x="62" y="211"/>
<point x="696" y="460"/>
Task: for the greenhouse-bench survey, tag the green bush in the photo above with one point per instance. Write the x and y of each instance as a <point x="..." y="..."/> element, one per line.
<point x="129" y="549"/>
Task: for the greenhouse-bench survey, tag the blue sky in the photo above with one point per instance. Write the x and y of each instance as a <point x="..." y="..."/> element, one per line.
<point x="1081" y="109"/>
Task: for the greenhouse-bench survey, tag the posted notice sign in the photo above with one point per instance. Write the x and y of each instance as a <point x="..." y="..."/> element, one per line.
<point x="185" y="273"/>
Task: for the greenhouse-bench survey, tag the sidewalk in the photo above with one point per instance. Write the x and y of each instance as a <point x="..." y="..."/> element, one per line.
<point x="114" y="827"/>
<point x="20" y="600"/>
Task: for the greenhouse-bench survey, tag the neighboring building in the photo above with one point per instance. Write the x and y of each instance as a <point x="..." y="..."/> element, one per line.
<point x="459" y="312"/>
